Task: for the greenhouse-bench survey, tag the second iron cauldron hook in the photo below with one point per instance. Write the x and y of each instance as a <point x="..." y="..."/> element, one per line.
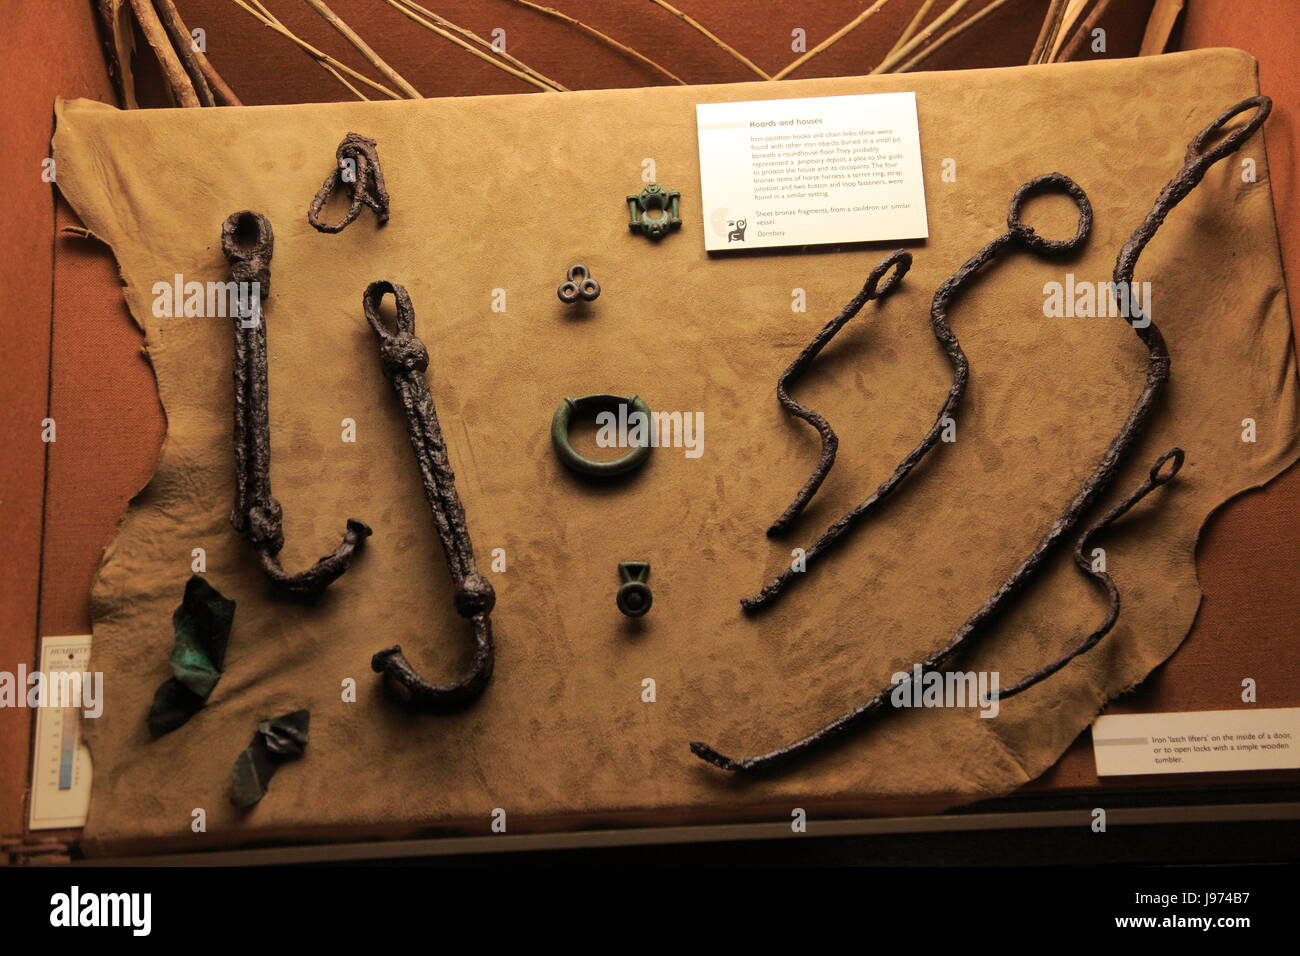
<point x="405" y="359"/>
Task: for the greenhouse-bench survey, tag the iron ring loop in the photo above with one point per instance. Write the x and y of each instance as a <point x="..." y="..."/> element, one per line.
<point x="1050" y="182"/>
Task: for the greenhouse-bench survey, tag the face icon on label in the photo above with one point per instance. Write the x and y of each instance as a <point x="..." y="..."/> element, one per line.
<point x="718" y="220"/>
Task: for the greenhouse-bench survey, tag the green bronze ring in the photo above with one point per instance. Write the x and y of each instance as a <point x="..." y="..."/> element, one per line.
<point x="635" y="457"/>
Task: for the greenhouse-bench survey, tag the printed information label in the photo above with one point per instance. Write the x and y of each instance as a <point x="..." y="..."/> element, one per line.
<point x="1198" y="742"/>
<point x="801" y="172"/>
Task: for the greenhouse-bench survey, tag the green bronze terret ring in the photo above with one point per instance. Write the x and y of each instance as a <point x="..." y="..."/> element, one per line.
<point x="636" y="455"/>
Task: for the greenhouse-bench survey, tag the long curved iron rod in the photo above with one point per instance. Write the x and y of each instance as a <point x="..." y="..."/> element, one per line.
<point x="1017" y="233"/>
<point x="247" y="241"/>
<point x="900" y="261"/>
<point x="405" y="360"/>
<point x="1197" y="161"/>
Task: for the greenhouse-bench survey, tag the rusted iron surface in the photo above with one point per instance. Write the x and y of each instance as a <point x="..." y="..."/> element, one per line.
<point x="405" y="360"/>
<point x="899" y="261"/>
<point x="357" y="170"/>
<point x="248" y="243"/>
<point x="1198" y="160"/>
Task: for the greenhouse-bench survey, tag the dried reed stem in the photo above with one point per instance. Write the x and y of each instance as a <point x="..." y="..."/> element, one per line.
<point x="1076" y="44"/>
<point x="604" y="38"/>
<point x="475" y="38"/>
<point x="1047" y="32"/>
<point x="220" y="88"/>
<point x="951" y="34"/>
<point x="173" y="71"/>
<point x="685" y="18"/>
<point x="120" y="41"/>
<point x="909" y="31"/>
<point x="1068" y="23"/>
<point x="364" y="48"/>
<point x="402" y="7"/>
<point x="344" y="80"/>
<point x="221" y="91"/>
<point x="331" y="65"/>
<point x="183" y="44"/>
<point x="835" y="37"/>
<point x="893" y="59"/>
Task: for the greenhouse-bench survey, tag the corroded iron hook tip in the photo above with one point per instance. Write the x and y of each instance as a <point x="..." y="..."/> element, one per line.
<point x="440" y="698"/>
<point x="708" y="754"/>
<point x="325" y="571"/>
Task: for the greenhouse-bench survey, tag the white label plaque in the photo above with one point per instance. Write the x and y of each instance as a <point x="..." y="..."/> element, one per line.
<point x="798" y="172"/>
<point x="1197" y="742"/>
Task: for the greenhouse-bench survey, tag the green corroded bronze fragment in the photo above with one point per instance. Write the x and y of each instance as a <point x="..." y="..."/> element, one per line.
<point x="654" y="212"/>
<point x="202" y="624"/>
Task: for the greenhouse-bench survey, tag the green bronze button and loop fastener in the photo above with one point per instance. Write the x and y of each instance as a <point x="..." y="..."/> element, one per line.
<point x="614" y="404"/>
<point x="654" y="199"/>
<point x="579" y="285"/>
<point x="634" y="595"/>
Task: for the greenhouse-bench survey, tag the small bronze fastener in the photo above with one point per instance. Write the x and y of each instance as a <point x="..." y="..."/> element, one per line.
<point x="579" y="285"/>
<point x="634" y="595"/>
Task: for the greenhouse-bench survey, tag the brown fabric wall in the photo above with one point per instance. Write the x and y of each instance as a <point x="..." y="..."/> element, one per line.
<point x="48" y="48"/>
<point x="263" y="67"/>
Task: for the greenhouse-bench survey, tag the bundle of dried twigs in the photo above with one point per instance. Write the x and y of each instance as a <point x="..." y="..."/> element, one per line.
<point x="192" y="80"/>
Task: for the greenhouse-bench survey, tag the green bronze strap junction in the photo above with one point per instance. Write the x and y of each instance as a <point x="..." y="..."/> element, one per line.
<point x="654" y="212"/>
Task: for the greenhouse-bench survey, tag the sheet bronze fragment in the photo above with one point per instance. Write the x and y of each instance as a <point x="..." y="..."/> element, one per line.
<point x="405" y="360"/>
<point x="1197" y="161"/>
<point x="248" y="243"/>
<point x="276" y="741"/>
